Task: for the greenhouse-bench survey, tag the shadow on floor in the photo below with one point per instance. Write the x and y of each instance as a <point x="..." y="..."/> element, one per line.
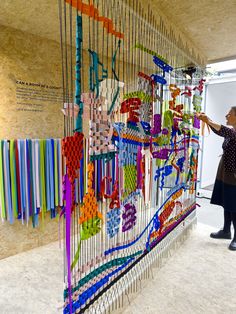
<point x="209" y="214"/>
<point x="209" y="187"/>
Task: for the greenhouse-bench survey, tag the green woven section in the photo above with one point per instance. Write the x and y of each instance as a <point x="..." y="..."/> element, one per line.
<point x="107" y="156"/>
<point x="90" y="227"/>
<point x="130" y="180"/>
<point x="151" y="52"/>
<point x="139" y="94"/>
<point x="197" y="101"/>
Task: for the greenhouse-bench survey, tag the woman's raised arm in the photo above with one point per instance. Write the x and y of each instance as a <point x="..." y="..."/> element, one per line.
<point x="219" y="129"/>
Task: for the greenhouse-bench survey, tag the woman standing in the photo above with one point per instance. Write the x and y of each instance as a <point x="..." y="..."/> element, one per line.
<point x="224" y="192"/>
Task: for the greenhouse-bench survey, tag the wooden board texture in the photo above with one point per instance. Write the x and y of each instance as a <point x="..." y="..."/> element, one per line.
<point x="33" y="60"/>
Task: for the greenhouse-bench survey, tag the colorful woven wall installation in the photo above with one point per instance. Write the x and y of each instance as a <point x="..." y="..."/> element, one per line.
<point x="138" y="169"/>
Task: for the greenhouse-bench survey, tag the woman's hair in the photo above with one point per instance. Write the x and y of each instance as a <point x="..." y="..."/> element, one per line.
<point x="234" y="109"/>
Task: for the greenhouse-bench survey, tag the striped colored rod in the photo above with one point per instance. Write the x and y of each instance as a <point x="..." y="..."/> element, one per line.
<point x="2" y="190"/>
<point x="30" y="179"/>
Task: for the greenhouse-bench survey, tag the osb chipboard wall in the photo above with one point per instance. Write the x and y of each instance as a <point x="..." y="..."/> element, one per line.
<point x="19" y="238"/>
<point x="30" y="77"/>
<point x="30" y="63"/>
<point x="30" y="86"/>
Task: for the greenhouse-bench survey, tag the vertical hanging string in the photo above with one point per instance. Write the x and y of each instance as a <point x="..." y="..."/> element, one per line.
<point x="67" y="99"/>
<point x="62" y="60"/>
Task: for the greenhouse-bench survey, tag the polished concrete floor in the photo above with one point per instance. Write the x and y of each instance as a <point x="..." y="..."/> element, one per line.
<point x="32" y="282"/>
<point x="209" y="214"/>
<point x="200" y="278"/>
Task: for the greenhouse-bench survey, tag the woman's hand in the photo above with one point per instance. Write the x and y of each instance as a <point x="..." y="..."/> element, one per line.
<point x="203" y="117"/>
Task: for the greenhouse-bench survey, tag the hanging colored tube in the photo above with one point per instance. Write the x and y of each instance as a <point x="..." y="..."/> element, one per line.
<point x="30" y="179"/>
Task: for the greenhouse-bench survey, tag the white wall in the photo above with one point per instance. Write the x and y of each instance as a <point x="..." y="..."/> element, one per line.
<point x="219" y="98"/>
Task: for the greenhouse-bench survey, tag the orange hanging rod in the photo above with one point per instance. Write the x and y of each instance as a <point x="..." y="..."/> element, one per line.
<point x="90" y="10"/>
